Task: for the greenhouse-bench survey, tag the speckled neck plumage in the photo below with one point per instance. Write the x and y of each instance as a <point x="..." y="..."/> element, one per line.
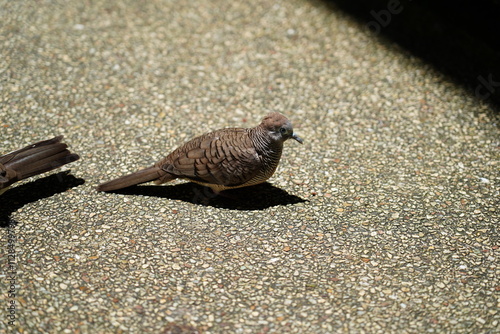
<point x="268" y="149"/>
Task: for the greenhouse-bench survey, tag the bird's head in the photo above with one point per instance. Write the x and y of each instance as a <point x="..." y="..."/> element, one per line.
<point x="279" y="127"/>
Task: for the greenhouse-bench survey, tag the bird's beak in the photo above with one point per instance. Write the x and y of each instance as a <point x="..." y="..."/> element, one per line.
<point x="297" y="138"/>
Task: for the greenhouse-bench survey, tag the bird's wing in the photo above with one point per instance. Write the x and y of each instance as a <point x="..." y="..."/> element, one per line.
<point x="7" y="176"/>
<point x="225" y="157"/>
<point x="34" y="159"/>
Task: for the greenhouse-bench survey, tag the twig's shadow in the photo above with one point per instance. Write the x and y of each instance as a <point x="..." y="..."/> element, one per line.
<point x="258" y="197"/>
<point x="18" y="196"/>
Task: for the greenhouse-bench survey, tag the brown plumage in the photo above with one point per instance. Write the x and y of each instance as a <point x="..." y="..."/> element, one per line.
<point x="222" y="159"/>
<point x="35" y="159"/>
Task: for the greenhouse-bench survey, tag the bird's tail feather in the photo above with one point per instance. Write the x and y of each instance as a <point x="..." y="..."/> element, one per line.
<point x="142" y="176"/>
<point x="38" y="158"/>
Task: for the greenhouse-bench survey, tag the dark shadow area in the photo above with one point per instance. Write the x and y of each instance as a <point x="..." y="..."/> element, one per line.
<point x="459" y="38"/>
<point x="18" y="196"/>
<point x="258" y="197"/>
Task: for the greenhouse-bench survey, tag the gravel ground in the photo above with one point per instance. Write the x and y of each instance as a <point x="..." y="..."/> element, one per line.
<point x="384" y="221"/>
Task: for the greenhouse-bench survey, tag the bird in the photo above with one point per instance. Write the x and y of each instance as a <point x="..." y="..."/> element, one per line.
<point x="222" y="159"/>
<point x="34" y="159"/>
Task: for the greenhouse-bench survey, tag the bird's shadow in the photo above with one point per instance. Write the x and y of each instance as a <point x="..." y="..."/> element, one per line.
<point x="18" y="196"/>
<point x="257" y="197"/>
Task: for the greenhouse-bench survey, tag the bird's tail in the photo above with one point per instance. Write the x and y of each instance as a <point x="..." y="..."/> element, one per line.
<point x="144" y="175"/>
<point x="38" y="158"/>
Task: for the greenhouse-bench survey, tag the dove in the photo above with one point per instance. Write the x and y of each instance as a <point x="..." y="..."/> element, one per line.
<point x="34" y="159"/>
<point x="223" y="159"/>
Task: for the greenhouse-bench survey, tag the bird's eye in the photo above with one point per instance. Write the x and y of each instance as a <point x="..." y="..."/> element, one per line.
<point x="282" y="130"/>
